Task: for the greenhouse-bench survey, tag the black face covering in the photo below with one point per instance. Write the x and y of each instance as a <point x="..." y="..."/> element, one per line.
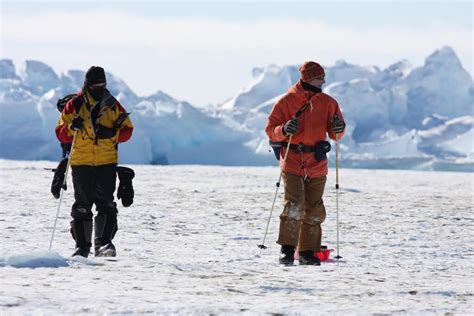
<point x="97" y="93"/>
<point x="309" y="87"/>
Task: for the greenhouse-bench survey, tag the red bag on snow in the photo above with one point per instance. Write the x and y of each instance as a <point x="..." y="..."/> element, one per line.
<point x="323" y="254"/>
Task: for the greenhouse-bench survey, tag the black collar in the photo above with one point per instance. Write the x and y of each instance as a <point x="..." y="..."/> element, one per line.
<point x="306" y="86"/>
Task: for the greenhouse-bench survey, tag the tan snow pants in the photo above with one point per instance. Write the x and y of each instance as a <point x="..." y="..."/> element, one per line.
<point x="303" y="213"/>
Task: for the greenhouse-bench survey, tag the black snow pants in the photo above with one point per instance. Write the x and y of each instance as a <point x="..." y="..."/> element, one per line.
<point x="94" y="185"/>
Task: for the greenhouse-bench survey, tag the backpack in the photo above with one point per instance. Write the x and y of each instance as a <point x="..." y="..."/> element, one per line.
<point x="61" y="104"/>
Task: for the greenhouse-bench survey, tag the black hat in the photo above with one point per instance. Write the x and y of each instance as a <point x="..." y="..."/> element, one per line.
<point x="95" y="75"/>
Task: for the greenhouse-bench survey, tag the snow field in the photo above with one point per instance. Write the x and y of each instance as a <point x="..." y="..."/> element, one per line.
<point x="188" y="245"/>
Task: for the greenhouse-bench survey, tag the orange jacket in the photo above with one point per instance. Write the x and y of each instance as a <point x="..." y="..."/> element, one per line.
<point x="87" y="150"/>
<point x="314" y="124"/>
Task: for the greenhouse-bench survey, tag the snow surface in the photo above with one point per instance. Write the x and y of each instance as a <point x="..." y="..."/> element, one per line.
<point x="188" y="245"/>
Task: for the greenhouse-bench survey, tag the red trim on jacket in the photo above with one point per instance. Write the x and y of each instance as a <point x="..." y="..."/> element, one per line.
<point x="62" y="135"/>
<point x="124" y="134"/>
<point x="70" y="108"/>
<point x="120" y="107"/>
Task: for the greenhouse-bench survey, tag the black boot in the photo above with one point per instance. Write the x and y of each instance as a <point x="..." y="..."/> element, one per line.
<point x="287" y="255"/>
<point x="83" y="252"/>
<point x="82" y="233"/>
<point x="307" y="258"/>
<point x="105" y="227"/>
<point x="106" y="251"/>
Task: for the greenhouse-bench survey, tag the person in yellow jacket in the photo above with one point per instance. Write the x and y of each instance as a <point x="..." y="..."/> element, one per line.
<point x="94" y="122"/>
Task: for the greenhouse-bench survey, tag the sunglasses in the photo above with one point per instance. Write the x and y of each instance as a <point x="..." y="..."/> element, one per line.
<point x="98" y="86"/>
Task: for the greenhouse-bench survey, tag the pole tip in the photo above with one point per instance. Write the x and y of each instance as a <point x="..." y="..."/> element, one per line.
<point x="262" y="246"/>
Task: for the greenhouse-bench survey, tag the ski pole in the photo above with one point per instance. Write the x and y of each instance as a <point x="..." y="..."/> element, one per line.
<point x="262" y="246"/>
<point x="62" y="188"/>
<point x="297" y="115"/>
<point x="337" y="194"/>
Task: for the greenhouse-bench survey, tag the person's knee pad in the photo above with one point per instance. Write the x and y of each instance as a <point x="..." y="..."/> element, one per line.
<point x="81" y="213"/>
<point x="109" y="209"/>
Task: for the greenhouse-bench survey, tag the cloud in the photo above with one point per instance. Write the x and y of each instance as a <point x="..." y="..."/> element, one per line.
<point x="175" y="42"/>
<point x="202" y="34"/>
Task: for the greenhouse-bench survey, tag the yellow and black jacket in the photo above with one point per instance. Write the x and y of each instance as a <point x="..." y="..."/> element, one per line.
<point x="88" y="149"/>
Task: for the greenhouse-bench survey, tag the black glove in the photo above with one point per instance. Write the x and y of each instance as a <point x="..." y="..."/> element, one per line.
<point x="77" y="123"/>
<point x="291" y="126"/>
<point x="125" y="190"/>
<point x="337" y="125"/>
<point x="104" y="132"/>
<point x="58" y="179"/>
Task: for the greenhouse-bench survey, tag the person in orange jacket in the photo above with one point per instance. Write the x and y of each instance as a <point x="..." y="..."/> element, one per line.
<point x="94" y="122"/>
<point x="306" y="165"/>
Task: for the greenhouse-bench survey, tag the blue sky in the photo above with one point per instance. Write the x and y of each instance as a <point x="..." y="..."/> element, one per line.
<point x="204" y="52"/>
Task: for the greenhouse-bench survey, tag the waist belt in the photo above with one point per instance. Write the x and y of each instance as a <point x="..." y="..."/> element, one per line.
<point x="300" y="147"/>
<point x="319" y="150"/>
